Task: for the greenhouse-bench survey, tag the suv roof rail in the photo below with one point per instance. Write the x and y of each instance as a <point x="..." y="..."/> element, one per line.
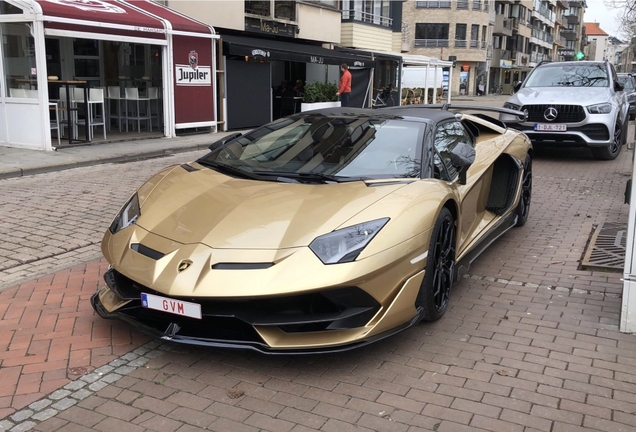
<point x="544" y="61"/>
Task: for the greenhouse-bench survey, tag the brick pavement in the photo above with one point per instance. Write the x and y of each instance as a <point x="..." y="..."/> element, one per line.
<point x="530" y="343"/>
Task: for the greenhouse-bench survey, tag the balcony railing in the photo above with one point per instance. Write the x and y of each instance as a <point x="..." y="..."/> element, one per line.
<point x="462" y="4"/>
<point x="433" y="4"/>
<point x="474" y="44"/>
<point x="432" y="43"/>
<point x="460" y="43"/>
<point x="536" y="57"/>
<point x="544" y="36"/>
<point x="484" y="44"/>
<point x="357" y="15"/>
<point x="476" y="5"/>
<point x="487" y="6"/>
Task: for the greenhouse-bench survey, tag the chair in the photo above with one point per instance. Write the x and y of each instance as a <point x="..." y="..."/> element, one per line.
<point x="56" y="125"/>
<point x="287" y="104"/>
<point x="114" y="94"/>
<point x="94" y="113"/>
<point x="417" y="95"/>
<point x="17" y="92"/>
<point x="153" y="94"/>
<point x="132" y="95"/>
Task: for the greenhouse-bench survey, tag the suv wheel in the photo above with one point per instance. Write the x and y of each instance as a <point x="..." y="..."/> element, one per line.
<point x="612" y="150"/>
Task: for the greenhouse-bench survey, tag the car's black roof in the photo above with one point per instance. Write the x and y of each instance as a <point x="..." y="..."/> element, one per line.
<point x="412" y="111"/>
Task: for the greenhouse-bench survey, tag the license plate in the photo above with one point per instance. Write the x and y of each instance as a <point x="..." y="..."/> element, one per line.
<point x="550" y="127"/>
<point x="177" y="307"/>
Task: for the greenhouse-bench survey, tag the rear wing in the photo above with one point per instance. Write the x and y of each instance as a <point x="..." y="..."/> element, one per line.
<point x="521" y="115"/>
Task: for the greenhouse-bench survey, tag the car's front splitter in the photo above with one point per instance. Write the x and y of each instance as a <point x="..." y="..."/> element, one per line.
<point x="171" y="334"/>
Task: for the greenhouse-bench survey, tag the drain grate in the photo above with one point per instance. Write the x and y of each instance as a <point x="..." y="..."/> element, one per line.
<point x="606" y="249"/>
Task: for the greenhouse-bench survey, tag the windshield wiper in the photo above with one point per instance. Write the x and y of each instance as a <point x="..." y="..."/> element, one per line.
<point x="308" y="176"/>
<point x="225" y="168"/>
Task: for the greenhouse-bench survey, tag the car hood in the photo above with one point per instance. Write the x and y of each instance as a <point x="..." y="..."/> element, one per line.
<point x="207" y="207"/>
<point x="562" y="95"/>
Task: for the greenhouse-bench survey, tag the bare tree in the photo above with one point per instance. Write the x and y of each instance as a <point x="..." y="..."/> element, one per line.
<point x="628" y="15"/>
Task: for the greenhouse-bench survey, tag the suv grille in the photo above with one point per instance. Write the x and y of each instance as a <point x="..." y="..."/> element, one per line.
<point x="566" y="113"/>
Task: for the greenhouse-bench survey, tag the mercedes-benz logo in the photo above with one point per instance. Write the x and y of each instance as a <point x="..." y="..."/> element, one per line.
<point x="183" y="265"/>
<point x="550" y="114"/>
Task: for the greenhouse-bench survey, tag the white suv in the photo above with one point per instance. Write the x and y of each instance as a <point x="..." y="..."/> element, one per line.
<point x="577" y="104"/>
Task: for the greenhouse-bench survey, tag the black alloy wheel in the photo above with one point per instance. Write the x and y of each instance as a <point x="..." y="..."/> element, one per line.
<point x="523" y="208"/>
<point x="613" y="149"/>
<point x="440" y="271"/>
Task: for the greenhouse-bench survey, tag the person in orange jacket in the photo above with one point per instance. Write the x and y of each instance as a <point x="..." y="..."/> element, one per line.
<point x="344" y="91"/>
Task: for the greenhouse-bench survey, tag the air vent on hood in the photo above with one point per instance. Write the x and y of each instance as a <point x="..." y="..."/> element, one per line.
<point x="241" y="266"/>
<point x="189" y="168"/>
<point x="146" y="251"/>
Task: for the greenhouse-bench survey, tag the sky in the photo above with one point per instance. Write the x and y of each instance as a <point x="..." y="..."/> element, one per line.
<point x="608" y="19"/>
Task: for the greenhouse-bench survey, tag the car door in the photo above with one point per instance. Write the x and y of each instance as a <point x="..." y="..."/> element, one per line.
<point x="473" y="195"/>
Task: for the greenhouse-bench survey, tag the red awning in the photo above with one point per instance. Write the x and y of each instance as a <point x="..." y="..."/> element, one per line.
<point x="135" y="18"/>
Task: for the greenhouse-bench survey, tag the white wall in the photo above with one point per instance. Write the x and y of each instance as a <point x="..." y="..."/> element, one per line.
<point x="226" y="14"/>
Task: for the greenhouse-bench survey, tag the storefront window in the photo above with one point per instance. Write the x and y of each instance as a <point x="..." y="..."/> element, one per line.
<point x="18" y="50"/>
<point x="9" y="9"/>
<point x="86" y="60"/>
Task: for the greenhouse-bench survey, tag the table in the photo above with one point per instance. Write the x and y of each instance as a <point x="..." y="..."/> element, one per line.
<point x="70" y="109"/>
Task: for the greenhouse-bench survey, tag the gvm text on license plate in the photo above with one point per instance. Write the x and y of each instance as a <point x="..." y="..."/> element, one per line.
<point x="177" y="307"/>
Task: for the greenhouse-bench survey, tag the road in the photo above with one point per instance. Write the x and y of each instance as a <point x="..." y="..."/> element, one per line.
<point x="530" y="341"/>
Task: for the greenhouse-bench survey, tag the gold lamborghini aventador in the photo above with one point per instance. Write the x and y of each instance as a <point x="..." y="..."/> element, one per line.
<point x="321" y="231"/>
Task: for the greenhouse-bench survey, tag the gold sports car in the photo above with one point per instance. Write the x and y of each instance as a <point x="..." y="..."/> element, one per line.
<point x="319" y="232"/>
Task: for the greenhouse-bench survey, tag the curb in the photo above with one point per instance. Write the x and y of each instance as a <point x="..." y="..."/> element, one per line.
<point x="21" y="172"/>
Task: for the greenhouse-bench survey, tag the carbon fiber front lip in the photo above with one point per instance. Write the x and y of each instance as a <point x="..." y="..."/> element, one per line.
<point x="242" y="345"/>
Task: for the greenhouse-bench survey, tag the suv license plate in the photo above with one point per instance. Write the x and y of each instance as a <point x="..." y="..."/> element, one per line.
<point x="550" y="127"/>
<point x="177" y="307"/>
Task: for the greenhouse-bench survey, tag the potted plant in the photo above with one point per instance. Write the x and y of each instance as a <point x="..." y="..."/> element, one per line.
<point x="320" y="95"/>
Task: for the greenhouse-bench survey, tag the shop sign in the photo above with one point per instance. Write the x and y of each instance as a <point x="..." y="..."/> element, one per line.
<point x="505" y="64"/>
<point x="316" y="59"/>
<point x="270" y="27"/>
<point x="259" y="53"/>
<point x="358" y="63"/>
<point x="192" y="74"/>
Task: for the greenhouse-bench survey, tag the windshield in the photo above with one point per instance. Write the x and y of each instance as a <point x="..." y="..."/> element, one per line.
<point x="568" y="75"/>
<point x="627" y="81"/>
<point x="340" y="147"/>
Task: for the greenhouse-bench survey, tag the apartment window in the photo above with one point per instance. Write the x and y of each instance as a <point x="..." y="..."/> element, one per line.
<point x="487" y="5"/>
<point x="476" y="4"/>
<point x="460" y="35"/>
<point x="433" y="4"/>
<point x="328" y="3"/>
<point x="431" y="35"/>
<point x="285" y="10"/>
<point x="367" y="11"/>
<point x="496" y="42"/>
<point x="18" y="49"/>
<point x="484" y="32"/>
<point x="9" y="9"/>
<point x="474" y="35"/>
<point x="462" y="4"/>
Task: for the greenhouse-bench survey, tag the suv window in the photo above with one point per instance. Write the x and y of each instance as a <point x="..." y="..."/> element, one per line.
<point x="627" y="81"/>
<point x="569" y="75"/>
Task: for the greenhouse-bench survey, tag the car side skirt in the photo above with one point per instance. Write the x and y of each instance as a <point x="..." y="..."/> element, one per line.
<point x="501" y="227"/>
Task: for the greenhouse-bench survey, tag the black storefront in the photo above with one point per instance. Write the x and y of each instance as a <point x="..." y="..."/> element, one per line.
<point x="253" y="65"/>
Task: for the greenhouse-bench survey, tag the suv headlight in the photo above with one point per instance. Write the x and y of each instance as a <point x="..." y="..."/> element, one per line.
<point x="604" y="108"/>
<point x="344" y="245"/>
<point x="512" y="106"/>
<point x="128" y="215"/>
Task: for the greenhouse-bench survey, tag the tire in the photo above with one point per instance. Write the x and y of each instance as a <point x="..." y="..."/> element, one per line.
<point x="440" y="271"/>
<point x="523" y="208"/>
<point x="611" y="151"/>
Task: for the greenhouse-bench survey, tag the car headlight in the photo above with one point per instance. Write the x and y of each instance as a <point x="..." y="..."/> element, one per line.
<point x="604" y="108"/>
<point x="512" y="106"/>
<point x="127" y="216"/>
<point x="344" y="245"/>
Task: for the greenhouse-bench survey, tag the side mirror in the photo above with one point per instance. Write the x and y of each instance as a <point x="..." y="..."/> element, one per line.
<point x="618" y="86"/>
<point x="462" y="157"/>
<point x="226" y="139"/>
<point x="517" y="86"/>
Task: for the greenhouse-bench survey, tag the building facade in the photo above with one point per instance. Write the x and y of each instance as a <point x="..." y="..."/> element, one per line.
<point x="572" y="31"/>
<point x="459" y="31"/>
<point x="598" y="46"/>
